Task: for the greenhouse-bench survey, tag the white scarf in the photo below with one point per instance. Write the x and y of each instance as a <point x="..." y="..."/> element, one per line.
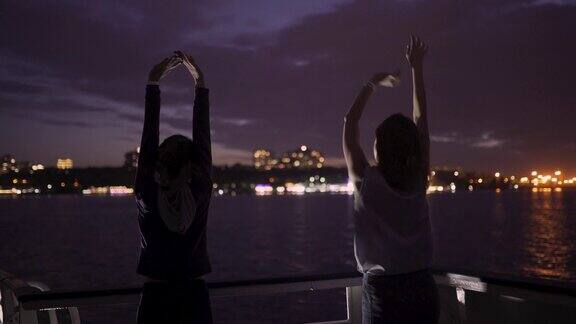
<point x="176" y="203"/>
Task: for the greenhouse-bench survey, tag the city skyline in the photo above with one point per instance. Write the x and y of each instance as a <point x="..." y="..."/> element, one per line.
<point x="282" y="74"/>
<point x="297" y="171"/>
<point x="9" y="163"/>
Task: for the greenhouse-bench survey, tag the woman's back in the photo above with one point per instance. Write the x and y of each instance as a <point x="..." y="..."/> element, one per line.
<point x="392" y="231"/>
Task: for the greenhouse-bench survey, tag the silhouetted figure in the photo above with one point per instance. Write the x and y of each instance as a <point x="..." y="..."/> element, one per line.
<point x="173" y="190"/>
<point x="392" y="231"/>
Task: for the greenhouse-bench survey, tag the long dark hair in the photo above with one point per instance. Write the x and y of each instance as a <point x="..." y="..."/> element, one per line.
<point x="399" y="154"/>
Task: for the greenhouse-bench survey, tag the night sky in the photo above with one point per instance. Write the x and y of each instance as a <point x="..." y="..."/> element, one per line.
<point x="500" y="76"/>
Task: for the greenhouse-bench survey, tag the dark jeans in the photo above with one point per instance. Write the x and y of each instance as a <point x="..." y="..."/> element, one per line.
<point x="403" y="298"/>
<point x="179" y="302"/>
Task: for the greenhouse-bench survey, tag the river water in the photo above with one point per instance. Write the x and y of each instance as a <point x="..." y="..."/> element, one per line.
<point x="83" y="242"/>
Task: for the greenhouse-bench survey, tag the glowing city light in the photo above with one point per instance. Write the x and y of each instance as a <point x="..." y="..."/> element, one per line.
<point x="262" y="189"/>
<point x="64" y="164"/>
<point x="36" y="167"/>
<point x="120" y="190"/>
<point x="297" y="188"/>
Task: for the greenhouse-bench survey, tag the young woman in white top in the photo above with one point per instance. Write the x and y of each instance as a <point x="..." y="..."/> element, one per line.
<point x="392" y="231"/>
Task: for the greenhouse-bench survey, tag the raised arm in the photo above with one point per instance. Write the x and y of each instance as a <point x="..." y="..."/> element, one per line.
<point x="353" y="154"/>
<point x="201" y="115"/>
<point x="355" y="158"/>
<point x="201" y="128"/>
<point x="415" y="53"/>
<point x="150" y="132"/>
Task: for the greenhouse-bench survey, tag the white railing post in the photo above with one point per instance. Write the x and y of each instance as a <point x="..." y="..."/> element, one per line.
<point x="353" y="307"/>
<point x="74" y="315"/>
<point x="27" y="317"/>
<point x="44" y="287"/>
<point x="354" y="303"/>
<point x="461" y="299"/>
<point x="12" y="312"/>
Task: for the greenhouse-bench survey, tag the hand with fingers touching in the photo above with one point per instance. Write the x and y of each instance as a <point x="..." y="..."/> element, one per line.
<point x="192" y="67"/>
<point x="415" y="52"/>
<point x="162" y="69"/>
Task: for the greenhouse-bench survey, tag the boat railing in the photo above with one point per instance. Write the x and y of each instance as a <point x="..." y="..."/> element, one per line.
<point x="464" y="296"/>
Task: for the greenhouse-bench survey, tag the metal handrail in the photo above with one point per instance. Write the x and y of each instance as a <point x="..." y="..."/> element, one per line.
<point x="502" y="286"/>
<point x="264" y="286"/>
<point x="32" y="299"/>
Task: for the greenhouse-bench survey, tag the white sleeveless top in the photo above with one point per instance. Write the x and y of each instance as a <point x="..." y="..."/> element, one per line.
<point x="392" y="231"/>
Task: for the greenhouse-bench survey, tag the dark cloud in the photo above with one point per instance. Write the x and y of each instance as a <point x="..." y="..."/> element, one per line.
<point x="498" y="73"/>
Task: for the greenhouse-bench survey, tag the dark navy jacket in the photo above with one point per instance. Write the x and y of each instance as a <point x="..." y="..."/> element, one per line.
<point x="164" y="254"/>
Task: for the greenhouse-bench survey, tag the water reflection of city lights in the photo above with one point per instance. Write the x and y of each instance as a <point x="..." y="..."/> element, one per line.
<point x="547" y="245"/>
<point x="304" y="188"/>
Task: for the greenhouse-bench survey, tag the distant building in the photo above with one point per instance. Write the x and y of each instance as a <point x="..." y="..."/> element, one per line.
<point x="8" y="164"/>
<point x="64" y="164"/>
<point x="263" y="160"/>
<point x="303" y="158"/>
<point x="131" y="158"/>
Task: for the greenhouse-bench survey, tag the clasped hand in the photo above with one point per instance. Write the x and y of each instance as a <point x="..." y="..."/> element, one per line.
<point x="163" y="68"/>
